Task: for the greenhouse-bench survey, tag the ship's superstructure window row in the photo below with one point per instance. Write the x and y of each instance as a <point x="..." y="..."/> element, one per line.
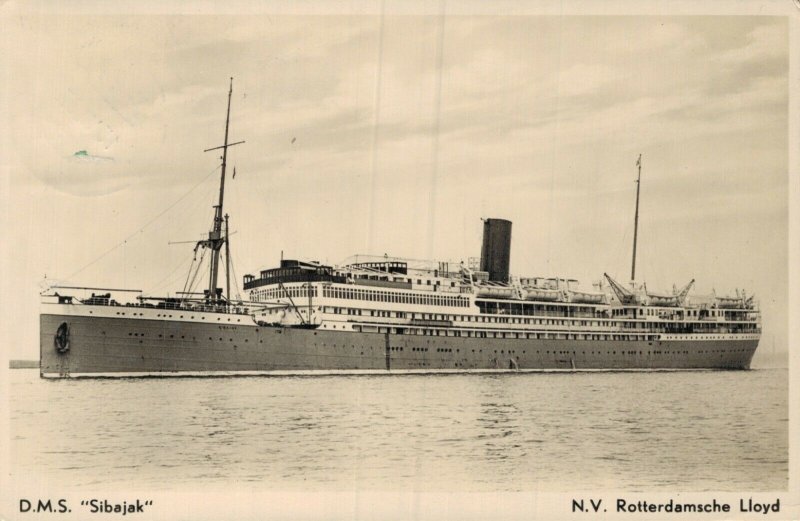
<point x="369" y="295"/>
<point x="426" y="299"/>
<point x="283" y="292"/>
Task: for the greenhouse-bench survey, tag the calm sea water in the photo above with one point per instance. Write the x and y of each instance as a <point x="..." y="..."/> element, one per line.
<point x="690" y="431"/>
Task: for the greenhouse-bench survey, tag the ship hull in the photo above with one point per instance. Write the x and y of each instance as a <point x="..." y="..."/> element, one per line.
<point x="111" y="346"/>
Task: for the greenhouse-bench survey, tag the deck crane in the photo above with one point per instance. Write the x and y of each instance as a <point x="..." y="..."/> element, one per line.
<point x="624" y="295"/>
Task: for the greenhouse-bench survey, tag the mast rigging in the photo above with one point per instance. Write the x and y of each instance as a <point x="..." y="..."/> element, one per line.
<point x="227" y="261"/>
<point x="215" y="239"/>
<point x="635" y="219"/>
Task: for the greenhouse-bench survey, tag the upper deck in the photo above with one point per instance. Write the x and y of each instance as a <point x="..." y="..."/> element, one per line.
<point x="393" y="288"/>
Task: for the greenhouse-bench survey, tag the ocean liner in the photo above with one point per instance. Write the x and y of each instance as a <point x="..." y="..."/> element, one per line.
<point x="390" y="315"/>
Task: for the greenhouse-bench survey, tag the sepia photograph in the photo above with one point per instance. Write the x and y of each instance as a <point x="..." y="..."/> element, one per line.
<point x="399" y="260"/>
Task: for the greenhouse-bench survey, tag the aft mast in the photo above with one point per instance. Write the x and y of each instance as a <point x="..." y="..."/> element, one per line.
<point x="215" y="238"/>
<point x="636" y="218"/>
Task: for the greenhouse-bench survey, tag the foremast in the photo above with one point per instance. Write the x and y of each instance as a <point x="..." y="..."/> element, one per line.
<point x="216" y="239"/>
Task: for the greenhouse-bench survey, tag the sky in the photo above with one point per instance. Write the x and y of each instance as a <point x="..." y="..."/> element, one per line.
<point x="395" y="134"/>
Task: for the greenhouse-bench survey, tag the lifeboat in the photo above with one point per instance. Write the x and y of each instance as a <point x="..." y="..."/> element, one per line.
<point x="674" y="300"/>
<point x="547" y="295"/>
<point x="494" y="291"/>
<point x="729" y="302"/>
<point x="662" y="300"/>
<point x="586" y="297"/>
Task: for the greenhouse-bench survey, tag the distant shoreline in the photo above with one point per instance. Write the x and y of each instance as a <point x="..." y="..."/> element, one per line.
<point x="23" y="364"/>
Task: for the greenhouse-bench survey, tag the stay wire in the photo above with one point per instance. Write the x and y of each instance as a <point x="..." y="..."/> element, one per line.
<point x="235" y="280"/>
<point x="140" y="230"/>
<point x="189" y="273"/>
<point x="163" y="282"/>
<point x="191" y="287"/>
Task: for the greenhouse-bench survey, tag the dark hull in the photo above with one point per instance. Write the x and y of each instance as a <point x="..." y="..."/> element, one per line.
<point x="122" y="346"/>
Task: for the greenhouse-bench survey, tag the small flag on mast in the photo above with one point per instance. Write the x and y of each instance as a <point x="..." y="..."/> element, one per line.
<point x="234" y="173"/>
<point x="638" y="161"/>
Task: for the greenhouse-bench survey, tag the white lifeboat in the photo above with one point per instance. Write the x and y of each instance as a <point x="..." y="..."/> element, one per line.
<point x="729" y="302"/>
<point x="586" y="297"/>
<point x="494" y="291"/>
<point x="663" y="300"/>
<point x="542" y="294"/>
